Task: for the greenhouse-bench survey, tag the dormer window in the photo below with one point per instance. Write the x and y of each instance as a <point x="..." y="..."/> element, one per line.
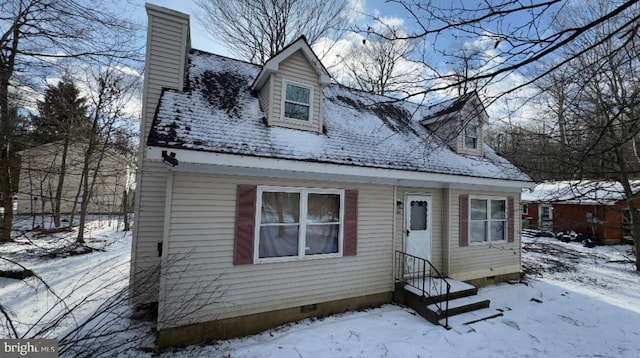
<point x="471" y="136"/>
<point x="297" y="101"/>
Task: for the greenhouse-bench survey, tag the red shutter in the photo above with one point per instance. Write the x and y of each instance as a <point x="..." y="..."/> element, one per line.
<point x="464" y="220"/>
<point x="350" y="239"/>
<point x="510" y="220"/>
<point x="245" y="224"/>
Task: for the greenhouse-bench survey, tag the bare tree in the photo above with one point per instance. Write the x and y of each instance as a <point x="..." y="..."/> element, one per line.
<point x="35" y="35"/>
<point x="383" y="65"/>
<point x="516" y="44"/>
<point x="112" y="93"/>
<point x="255" y="30"/>
<point x="468" y="61"/>
<point x="595" y="101"/>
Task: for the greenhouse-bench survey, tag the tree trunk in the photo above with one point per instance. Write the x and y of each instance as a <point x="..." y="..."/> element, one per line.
<point x="635" y="220"/>
<point x="629" y="197"/>
<point x="125" y="210"/>
<point x="61" y="177"/>
<point x="6" y="158"/>
<point x="83" y="208"/>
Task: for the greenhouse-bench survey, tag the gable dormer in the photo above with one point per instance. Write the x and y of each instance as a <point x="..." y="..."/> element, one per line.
<point x="290" y="88"/>
<point x="459" y="123"/>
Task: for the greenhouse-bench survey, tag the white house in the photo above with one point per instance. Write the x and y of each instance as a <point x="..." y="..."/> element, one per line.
<point x="269" y="194"/>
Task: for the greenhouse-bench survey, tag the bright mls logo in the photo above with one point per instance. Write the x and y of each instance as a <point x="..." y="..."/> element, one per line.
<point x="42" y="348"/>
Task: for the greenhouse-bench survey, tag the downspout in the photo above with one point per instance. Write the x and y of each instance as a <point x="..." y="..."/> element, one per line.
<point x="446" y="247"/>
<point x="394" y="216"/>
<point x="164" y="250"/>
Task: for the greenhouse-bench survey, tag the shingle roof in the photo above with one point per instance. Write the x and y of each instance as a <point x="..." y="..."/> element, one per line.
<point x="446" y="110"/>
<point x="219" y="113"/>
<point x="579" y="192"/>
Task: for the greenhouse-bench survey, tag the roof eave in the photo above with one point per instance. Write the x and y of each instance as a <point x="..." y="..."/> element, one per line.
<point x="221" y="163"/>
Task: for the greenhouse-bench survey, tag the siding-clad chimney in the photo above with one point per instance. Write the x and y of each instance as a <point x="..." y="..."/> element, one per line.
<point x="168" y="44"/>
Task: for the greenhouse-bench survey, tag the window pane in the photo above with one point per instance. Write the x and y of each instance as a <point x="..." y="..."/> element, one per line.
<point x="297" y="94"/>
<point x="322" y="239"/>
<point x="296" y="111"/>
<point x="323" y="208"/>
<point x="478" y="209"/>
<point x="498" y="210"/>
<point x="471" y="130"/>
<point x="477" y="231"/>
<point x="278" y="240"/>
<point x="470" y="142"/>
<point x="280" y="208"/>
<point x="418" y="215"/>
<point x="497" y="230"/>
<point x="471" y="136"/>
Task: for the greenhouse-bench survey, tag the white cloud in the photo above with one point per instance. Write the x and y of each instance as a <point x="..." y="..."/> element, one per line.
<point x="504" y="104"/>
<point x="356" y="10"/>
<point x="389" y="21"/>
<point x="338" y="54"/>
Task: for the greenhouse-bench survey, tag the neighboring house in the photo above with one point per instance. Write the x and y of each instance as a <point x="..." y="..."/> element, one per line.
<point x="40" y="169"/>
<point x="596" y="207"/>
<point x="267" y="194"/>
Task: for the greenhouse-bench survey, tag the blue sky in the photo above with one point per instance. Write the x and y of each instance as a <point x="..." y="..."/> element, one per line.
<point x="390" y="12"/>
<point x="201" y="41"/>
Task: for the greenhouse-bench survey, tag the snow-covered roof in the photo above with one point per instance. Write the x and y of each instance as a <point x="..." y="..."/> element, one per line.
<point x="448" y="109"/>
<point x="219" y="113"/>
<point x="582" y="192"/>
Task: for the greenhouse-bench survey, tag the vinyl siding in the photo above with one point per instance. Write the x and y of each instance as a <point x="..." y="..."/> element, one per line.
<point x="265" y="95"/>
<point x="296" y="68"/>
<point x="470" y="112"/>
<point x="167" y="46"/>
<point x="200" y="253"/>
<point x="482" y="260"/>
<point x="40" y="172"/>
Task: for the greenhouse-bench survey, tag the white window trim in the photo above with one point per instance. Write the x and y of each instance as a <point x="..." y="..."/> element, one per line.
<point x="304" y="192"/>
<point x="477" y="137"/>
<point x="283" y="96"/>
<point x="506" y="220"/>
<point x="525" y="208"/>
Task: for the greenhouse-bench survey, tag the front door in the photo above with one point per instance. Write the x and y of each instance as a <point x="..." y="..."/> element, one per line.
<point x="418" y="226"/>
<point x="545" y="215"/>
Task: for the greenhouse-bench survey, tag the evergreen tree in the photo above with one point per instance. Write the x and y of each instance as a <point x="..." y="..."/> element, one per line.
<point x="62" y="118"/>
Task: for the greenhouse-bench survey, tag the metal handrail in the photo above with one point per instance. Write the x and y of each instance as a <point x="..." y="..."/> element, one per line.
<point x="412" y="271"/>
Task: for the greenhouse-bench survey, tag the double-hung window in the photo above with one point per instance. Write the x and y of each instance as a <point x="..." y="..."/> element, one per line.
<point x="471" y="136"/>
<point x="298" y="223"/>
<point x="297" y="101"/>
<point x="488" y="219"/>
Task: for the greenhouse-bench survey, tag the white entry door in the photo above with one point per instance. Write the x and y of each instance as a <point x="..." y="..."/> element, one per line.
<point x="418" y="226"/>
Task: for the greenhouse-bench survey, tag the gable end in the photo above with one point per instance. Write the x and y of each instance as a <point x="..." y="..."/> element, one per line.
<point x="292" y="96"/>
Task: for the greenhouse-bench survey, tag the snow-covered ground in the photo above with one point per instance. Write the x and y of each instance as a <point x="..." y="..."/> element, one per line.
<point x="71" y="281"/>
<point x="575" y="302"/>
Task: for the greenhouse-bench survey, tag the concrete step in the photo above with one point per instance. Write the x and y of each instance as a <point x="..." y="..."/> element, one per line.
<point x="471" y="317"/>
<point x="463" y="298"/>
<point x="459" y="306"/>
<point x="458" y="289"/>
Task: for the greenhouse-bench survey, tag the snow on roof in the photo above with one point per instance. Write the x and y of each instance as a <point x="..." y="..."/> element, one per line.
<point x="581" y="192"/>
<point x="446" y="110"/>
<point x="219" y="113"/>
